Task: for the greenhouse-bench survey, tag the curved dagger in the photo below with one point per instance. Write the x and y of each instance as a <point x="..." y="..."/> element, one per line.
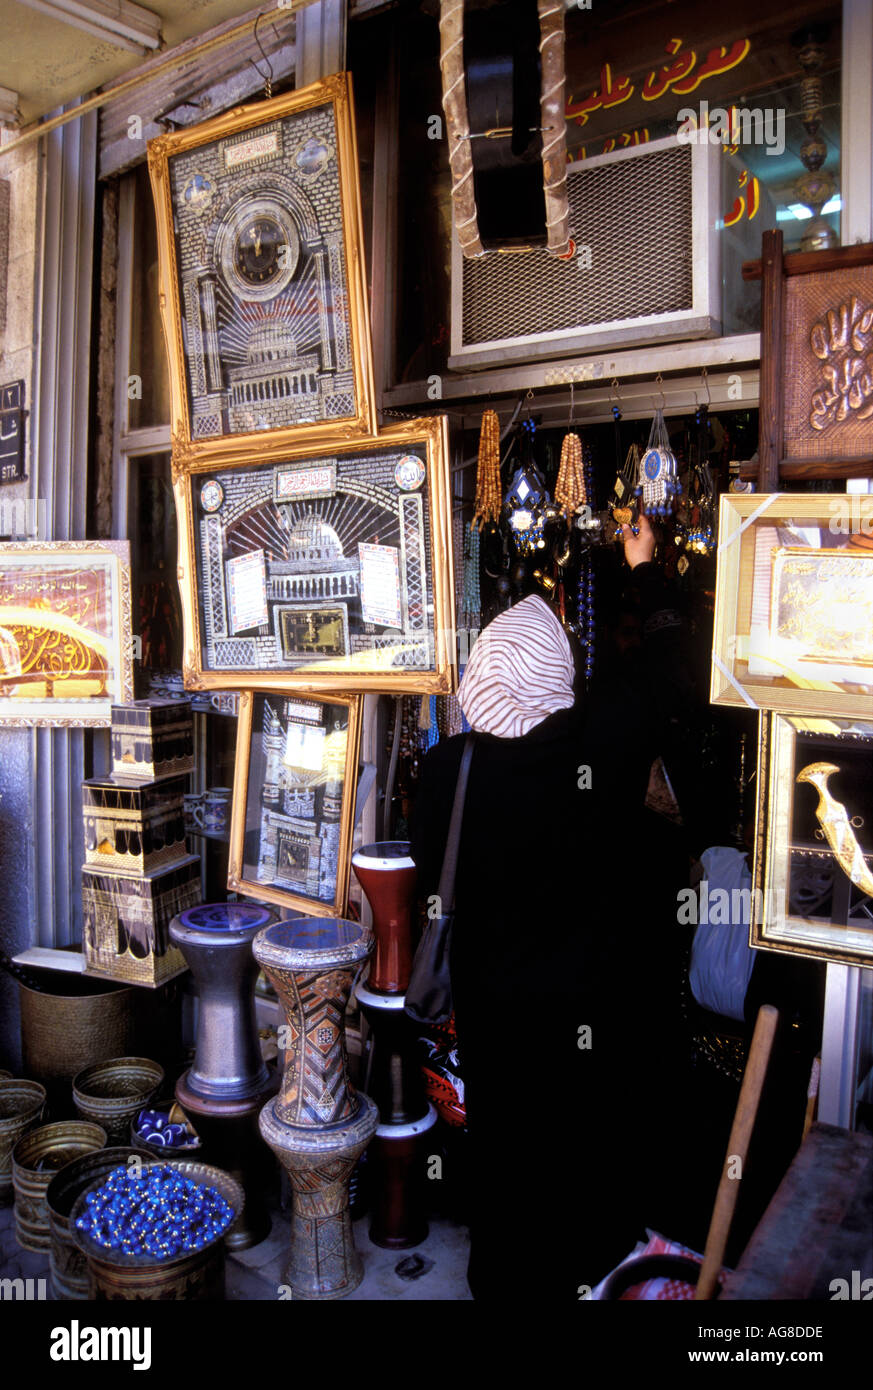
<point x="836" y="826"/>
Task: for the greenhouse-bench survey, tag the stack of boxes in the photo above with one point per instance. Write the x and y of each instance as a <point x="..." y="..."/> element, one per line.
<point x="138" y="873"/>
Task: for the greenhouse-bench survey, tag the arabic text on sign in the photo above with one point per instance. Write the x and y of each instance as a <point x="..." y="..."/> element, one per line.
<point x="681" y="75"/>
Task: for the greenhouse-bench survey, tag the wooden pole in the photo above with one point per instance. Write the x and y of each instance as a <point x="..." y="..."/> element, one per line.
<point x="737" y="1150"/>
<point x="770" y="411"/>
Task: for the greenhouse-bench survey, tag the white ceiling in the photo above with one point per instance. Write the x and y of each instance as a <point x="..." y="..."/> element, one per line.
<point x="50" y="62"/>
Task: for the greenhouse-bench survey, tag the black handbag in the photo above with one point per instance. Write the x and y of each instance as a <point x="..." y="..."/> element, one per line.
<point x="429" y="992"/>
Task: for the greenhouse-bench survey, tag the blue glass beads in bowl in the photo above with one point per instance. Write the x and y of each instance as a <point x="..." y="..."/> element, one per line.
<point x="151" y="1213"/>
<point x="155" y="1128"/>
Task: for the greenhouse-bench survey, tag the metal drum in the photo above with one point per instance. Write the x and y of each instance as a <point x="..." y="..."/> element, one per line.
<point x="396" y="1160"/>
<point x="386" y="873"/>
<point x="225" y="1089"/>
<point x="318" y="1125"/>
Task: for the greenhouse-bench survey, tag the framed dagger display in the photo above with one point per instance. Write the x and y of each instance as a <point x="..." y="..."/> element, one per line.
<point x="813" y="877"/>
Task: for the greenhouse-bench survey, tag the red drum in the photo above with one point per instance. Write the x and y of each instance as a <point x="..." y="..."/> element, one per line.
<point x="387" y="875"/>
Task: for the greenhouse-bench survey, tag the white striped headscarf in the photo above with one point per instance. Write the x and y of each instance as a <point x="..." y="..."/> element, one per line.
<point x="520" y="671"/>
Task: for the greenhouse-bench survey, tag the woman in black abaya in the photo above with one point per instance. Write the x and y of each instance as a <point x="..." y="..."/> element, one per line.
<point x="562" y="973"/>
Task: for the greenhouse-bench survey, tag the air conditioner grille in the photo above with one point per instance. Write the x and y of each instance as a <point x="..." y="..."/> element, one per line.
<point x="510" y="296"/>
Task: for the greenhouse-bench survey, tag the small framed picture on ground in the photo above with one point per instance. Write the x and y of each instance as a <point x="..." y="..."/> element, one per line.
<point x="326" y="573"/>
<point x="262" y="275"/>
<point x="294" y="800"/>
<point x="66" y="646"/>
<point x="814" y="843"/>
<point x="794" y="604"/>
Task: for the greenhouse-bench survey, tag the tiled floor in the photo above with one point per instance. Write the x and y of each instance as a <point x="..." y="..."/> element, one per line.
<point x="256" y="1274"/>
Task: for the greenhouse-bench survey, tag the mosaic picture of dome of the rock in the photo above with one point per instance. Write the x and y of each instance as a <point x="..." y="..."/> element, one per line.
<point x="322" y="564"/>
<point x="262" y="278"/>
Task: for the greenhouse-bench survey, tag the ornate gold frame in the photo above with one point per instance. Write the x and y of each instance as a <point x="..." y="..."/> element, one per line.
<point x="291" y="439"/>
<point x="96" y="709"/>
<point x="797" y="691"/>
<point x="430" y="435"/>
<point x="773" y="927"/>
<point x="264" y="892"/>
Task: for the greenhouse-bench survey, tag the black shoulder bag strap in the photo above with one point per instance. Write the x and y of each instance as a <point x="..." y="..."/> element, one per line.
<point x="453" y="841"/>
<point x="429" y="992"/>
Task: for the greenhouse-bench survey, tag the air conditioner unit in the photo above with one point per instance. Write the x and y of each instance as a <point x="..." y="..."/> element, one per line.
<point x="648" y="216"/>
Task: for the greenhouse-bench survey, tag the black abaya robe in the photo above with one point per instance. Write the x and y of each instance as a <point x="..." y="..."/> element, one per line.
<point x="564" y="972"/>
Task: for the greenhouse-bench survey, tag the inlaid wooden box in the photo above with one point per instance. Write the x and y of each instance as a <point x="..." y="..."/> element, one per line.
<point x="152" y="738"/>
<point x="127" y="917"/>
<point x="133" y="825"/>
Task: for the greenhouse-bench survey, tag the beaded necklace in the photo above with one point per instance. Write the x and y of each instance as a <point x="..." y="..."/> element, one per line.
<point x="585" y="593"/>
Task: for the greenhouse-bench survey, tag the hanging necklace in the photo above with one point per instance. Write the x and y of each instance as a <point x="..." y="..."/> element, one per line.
<point x="700" y="533"/>
<point x="487" y="505"/>
<point x="472" y="592"/>
<point x="585" y="623"/>
<point x="659" y="483"/>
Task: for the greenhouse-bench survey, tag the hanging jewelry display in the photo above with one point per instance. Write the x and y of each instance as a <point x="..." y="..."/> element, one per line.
<point x="700" y="500"/>
<point x="625" y="489"/>
<point x="621" y="503"/>
<point x="570" y="491"/>
<point x="488" y="493"/>
<point x="527" y="502"/>
<point x="659" y="484"/>
<point x="471" y="604"/>
<point x="585" y="623"/>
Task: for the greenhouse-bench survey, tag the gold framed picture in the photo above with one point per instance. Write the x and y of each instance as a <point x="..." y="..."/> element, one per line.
<point x="262" y="282"/>
<point x="794" y="604"/>
<point x="294" y="800"/>
<point x="813" y="875"/>
<point x="66" y="647"/>
<point x="327" y="573"/>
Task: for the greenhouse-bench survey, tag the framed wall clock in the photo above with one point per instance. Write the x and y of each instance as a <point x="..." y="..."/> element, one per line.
<point x="330" y="572"/>
<point x="263" y="292"/>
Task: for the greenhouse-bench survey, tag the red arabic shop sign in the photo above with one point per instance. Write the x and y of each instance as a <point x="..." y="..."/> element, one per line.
<point x="681" y="75"/>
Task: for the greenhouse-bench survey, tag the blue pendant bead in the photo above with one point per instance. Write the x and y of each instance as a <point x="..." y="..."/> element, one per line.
<point x="160" y="1213"/>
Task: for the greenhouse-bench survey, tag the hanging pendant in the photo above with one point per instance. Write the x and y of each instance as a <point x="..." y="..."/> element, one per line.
<point x="658" y="484"/>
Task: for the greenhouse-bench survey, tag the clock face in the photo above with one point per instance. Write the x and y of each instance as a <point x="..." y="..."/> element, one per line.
<point x="258" y="252"/>
<point x="258" y="248"/>
<point x="211" y="495"/>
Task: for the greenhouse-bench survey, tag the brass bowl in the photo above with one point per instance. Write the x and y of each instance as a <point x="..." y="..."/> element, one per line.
<point x="157" y="1151"/>
<point x="68" y="1268"/>
<point x="112" y="1093"/>
<point x="36" y="1158"/>
<point x="196" y="1274"/>
<point x="21" y="1107"/>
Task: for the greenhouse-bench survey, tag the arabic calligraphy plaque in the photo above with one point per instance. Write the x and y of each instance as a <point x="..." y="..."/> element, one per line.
<point x="828" y="345"/>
